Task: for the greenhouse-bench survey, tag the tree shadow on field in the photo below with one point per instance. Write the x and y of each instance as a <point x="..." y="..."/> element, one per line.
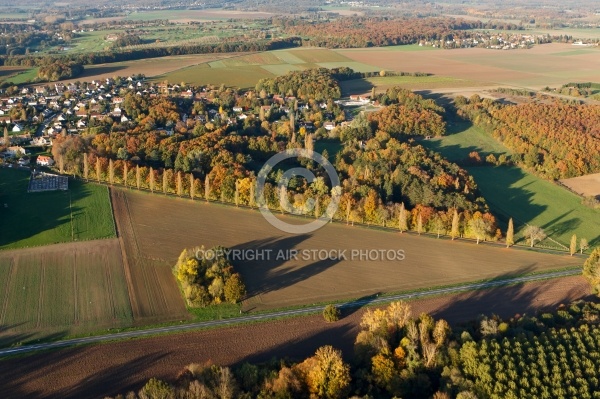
<point x="33" y="376"/>
<point x="349" y="308"/>
<point x="355" y="86"/>
<point x="509" y="300"/>
<point x="506" y="196"/>
<point x="94" y="71"/>
<point x="278" y="268"/>
<point x="441" y="99"/>
<point x="341" y="335"/>
<point x="16" y="338"/>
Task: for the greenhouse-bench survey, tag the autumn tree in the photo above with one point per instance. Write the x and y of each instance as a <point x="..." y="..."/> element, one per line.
<point x="111" y="171"/>
<point x="478" y="228"/>
<point x="326" y="374"/>
<point x="438" y="225"/>
<point x="454" y="231"/>
<point x="138" y="177"/>
<point x="207" y="188"/>
<point x="192" y="186"/>
<point x="86" y="166"/>
<point x="533" y="234"/>
<point x="331" y="313"/>
<point x="573" y="245"/>
<point x="510" y="234"/>
<point x="234" y="289"/>
<point x="125" y="173"/>
<point x="151" y="179"/>
<point x="179" y="184"/>
<point x="583" y="245"/>
<point x="402" y="219"/>
<point x="591" y="270"/>
<point x="6" y="137"/>
<point x="156" y="389"/>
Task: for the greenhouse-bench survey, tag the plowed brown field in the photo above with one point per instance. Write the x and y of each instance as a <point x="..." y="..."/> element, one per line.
<point x="153" y="291"/>
<point x="155" y="229"/>
<point x="112" y="368"/>
<point x="548" y="64"/>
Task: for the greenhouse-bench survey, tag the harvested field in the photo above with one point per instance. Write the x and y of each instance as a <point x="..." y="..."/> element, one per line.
<point x="153" y="291"/>
<point x="59" y="290"/>
<point x="548" y="64"/>
<point x="108" y="369"/>
<point x="588" y="185"/>
<point x="163" y="226"/>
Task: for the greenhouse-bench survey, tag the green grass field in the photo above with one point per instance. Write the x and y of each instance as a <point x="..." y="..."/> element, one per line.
<point x="32" y="219"/>
<point x="512" y="192"/>
<point x="462" y="138"/>
<point x="21" y="77"/>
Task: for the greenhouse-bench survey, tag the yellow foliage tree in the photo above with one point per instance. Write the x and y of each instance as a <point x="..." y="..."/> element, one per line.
<point x="326" y="374"/>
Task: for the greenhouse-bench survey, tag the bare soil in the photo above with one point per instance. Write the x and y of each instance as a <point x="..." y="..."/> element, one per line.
<point x="153" y="291"/>
<point x="109" y="369"/>
<point x="325" y="268"/>
<point x="588" y="185"/>
<point x="548" y="64"/>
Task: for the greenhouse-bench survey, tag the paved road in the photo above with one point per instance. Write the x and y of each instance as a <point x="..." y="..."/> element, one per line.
<point x="285" y="313"/>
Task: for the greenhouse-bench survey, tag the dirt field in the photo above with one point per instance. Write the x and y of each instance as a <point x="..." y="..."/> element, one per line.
<point x="153" y="291"/>
<point x="149" y="67"/>
<point x="62" y="289"/>
<point x="163" y="226"/>
<point x="548" y="64"/>
<point x="113" y="368"/>
<point x="588" y="185"/>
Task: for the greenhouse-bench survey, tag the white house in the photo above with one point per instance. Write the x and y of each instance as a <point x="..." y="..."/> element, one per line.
<point x="17" y="128"/>
<point x="44" y="160"/>
<point x="15" y="150"/>
<point x="329" y="125"/>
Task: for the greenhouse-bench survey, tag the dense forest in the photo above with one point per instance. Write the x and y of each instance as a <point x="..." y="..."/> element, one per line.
<point x="318" y="84"/>
<point x="367" y="32"/>
<point x="550" y="355"/>
<point x="386" y="179"/>
<point x="554" y="140"/>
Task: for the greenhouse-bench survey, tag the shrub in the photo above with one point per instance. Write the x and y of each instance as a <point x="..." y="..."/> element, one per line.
<point x="331" y="313"/>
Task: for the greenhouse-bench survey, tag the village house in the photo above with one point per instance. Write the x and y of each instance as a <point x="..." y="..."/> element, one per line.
<point x="16" y="150"/>
<point x="44" y="160"/>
